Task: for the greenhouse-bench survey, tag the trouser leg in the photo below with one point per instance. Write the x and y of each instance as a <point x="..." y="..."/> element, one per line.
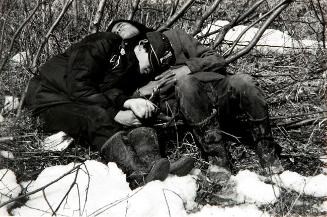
<point x="89" y="123"/>
<point x="198" y="111"/>
<point x="238" y="93"/>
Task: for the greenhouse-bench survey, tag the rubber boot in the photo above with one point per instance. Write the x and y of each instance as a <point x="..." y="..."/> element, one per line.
<point x="146" y="145"/>
<point x="266" y="148"/>
<point x="116" y="150"/>
<point x="208" y="133"/>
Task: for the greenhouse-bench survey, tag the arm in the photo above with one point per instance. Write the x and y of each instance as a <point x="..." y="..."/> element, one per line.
<point x="199" y="57"/>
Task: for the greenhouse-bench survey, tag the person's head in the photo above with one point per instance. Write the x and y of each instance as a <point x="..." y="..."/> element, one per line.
<point x="154" y="53"/>
<point x="127" y="28"/>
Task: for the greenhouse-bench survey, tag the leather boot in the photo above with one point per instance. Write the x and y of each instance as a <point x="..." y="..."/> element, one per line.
<point x="146" y="145"/>
<point x="266" y="148"/>
<point x="143" y="139"/>
<point x="208" y="133"/>
<point x="116" y="150"/>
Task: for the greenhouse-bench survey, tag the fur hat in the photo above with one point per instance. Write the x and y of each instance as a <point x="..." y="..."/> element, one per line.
<point x="161" y="54"/>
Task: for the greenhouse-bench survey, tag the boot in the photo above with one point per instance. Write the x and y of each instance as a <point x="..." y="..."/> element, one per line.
<point x="209" y="136"/>
<point x="116" y="150"/>
<point x="146" y="145"/>
<point x="182" y="166"/>
<point x="266" y="148"/>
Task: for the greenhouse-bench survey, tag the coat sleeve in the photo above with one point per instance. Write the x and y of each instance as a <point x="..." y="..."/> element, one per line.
<point x="200" y="57"/>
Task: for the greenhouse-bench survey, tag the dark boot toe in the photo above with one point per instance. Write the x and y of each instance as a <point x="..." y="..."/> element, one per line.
<point x="159" y="170"/>
<point x="182" y="166"/>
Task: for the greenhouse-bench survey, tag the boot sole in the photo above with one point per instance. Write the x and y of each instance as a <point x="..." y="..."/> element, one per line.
<point x="183" y="168"/>
<point x="159" y="171"/>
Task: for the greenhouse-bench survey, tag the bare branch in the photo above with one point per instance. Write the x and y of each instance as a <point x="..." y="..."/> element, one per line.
<point x="44" y="41"/>
<point x="134" y="6"/>
<point x="98" y="16"/>
<point x="199" y="22"/>
<point x="177" y="15"/>
<point x="17" y="33"/>
<point x="223" y="31"/>
<point x="173" y="7"/>
<point x="260" y="32"/>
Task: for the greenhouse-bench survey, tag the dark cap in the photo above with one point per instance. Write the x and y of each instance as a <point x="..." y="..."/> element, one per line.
<point x="161" y="54"/>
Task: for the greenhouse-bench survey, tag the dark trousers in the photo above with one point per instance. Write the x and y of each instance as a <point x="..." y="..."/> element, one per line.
<point x="88" y="123"/>
<point x="199" y="94"/>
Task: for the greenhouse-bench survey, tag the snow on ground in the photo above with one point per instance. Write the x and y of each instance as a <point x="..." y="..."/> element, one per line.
<point x="8" y="189"/>
<point x="96" y="189"/>
<point x="311" y="185"/>
<point x="271" y="40"/>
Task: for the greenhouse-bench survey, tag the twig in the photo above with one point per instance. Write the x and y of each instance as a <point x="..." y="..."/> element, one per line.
<point x="39" y="189"/>
<point x="17" y="33"/>
<point x="296" y="124"/>
<point x="298" y="115"/>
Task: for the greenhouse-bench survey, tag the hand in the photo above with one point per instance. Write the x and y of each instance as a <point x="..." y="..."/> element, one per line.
<point x="127" y="118"/>
<point x="142" y="108"/>
<point x="176" y="73"/>
<point x="152" y="86"/>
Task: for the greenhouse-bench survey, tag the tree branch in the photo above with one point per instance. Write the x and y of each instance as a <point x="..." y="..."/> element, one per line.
<point x="260" y="32"/>
<point x="98" y="17"/>
<point x="199" y="22"/>
<point x="177" y="15"/>
<point x="223" y="31"/>
<point x="134" y="6"/>
<point x="18" y="32"/>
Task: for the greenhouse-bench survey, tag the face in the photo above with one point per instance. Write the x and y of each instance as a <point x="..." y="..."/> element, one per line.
<point x="143" y="58"/>
<point x="125" y="30"/>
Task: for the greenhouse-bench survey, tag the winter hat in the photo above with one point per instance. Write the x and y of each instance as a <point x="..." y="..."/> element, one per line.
<point x="142" y="28"/>
<point x="161" y="54"/>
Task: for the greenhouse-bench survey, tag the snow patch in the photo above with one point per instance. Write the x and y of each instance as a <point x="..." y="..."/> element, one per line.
<point x="271" y="40"/>
<point x="8" y="189"/>
<point x="103" y="190"/>
<point x="250" y="189"/>
<point x="7" y="154"/>
<point x="311" y="185"/>
<point x="57" y="142"/>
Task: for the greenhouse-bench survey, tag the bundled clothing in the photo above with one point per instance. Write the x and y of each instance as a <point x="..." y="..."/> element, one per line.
<point x="82" y="90"/>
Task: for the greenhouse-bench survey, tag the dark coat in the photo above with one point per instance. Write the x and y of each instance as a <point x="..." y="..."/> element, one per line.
<point x="189" y="51"/>
<point x="92" y="72"/>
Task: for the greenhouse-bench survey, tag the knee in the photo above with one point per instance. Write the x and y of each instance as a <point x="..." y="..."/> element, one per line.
<point x="186" y="84"/>
<point x="241" y="82"/>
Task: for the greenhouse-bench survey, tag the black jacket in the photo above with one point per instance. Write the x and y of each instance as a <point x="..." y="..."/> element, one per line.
<point x="93" y="72"/>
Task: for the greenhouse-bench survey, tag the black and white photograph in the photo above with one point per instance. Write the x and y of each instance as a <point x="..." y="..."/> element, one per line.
<point x="163" y="108"/>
